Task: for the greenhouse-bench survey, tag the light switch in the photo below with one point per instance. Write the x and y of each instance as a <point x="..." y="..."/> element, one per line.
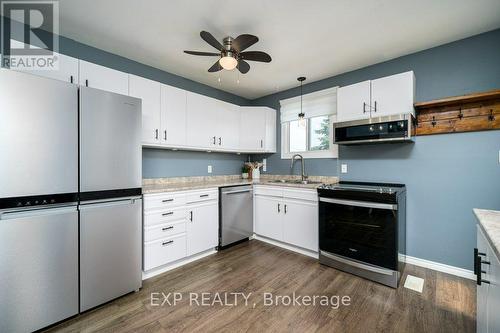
<point x="209" y="169"/>
<point x="343" y="168"/>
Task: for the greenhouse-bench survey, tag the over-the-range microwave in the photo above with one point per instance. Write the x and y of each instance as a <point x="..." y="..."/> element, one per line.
<point x="385" y="129"/>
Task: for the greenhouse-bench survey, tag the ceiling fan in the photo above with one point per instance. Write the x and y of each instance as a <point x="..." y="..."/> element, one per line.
<point x="231" y="53"/>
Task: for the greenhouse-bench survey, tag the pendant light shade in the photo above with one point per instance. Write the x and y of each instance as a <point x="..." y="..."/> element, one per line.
<point x="302" y="119"/>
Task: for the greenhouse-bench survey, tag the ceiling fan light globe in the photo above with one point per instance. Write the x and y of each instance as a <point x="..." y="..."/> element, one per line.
<point x="228" y="63"/>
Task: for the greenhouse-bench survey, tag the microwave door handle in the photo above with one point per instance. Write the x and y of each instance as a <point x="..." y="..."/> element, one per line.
<point x="365" y="204"/>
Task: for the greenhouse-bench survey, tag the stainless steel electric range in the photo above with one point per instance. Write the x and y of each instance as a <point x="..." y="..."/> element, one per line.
<point x="362" y="229"/>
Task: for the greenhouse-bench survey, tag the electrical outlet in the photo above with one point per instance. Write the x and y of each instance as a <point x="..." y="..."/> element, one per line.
<point x="343" y="168"/>
<point x="264" y="165"/>
<point x="209" y="169"/>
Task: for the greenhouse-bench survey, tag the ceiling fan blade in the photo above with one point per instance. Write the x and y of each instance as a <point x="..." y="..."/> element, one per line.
<point x="243" y="42"/>
<point x="215" y="67"/>
<point x="198" y="53"/>
<point x="256" y="56"/>
<point x="207" y="37"/>
<point x="243" y="66"/>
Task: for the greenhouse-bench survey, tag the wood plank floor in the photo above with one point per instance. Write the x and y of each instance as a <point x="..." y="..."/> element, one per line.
<point x="447" y="303"/>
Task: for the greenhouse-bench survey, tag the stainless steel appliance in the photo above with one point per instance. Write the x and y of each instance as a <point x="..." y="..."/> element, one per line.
<point x="110" y="196"/>
<point x="385" y="129"/>
<point x="362" y="229"/>
<point x="38" y="201"/>
<point x="236" y="214"/>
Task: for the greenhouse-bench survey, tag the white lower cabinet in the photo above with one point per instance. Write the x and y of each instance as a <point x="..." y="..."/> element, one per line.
<point x="488" y="292"/>
<point x="178" y="225"/>
<point x="285" y="215"/>
<point x="202" y="227"/>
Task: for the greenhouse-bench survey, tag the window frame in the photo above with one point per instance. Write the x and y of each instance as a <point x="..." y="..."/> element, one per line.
<point x="285" y="143"/>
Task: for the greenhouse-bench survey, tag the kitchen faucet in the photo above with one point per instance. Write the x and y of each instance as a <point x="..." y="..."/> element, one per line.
<point x="303" y="175"/>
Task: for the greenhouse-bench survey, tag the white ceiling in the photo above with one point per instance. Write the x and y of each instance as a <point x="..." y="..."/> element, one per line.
<point x="316" y="39"/>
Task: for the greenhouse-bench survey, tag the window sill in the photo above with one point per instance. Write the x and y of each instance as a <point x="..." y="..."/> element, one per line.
<point x="333" y="153"/>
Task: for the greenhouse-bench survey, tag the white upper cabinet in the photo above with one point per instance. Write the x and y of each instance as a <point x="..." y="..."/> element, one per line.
<point x="393" y="94"/>
<point x="201" y="121"/>
<point x="150" y="93"/>
<point x="270" y="140"/>
<point x="100" y="77"/>
<point x="353" y="102"/>
<point x="173" y="116"/>
<point x="385" y="96"/>
<point x="252" y="129"/>
<point x="67" y="69"/>
<point x="228" y="136"/>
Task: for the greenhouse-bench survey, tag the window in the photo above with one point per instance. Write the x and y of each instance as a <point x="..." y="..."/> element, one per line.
<point x="312" y="136"/>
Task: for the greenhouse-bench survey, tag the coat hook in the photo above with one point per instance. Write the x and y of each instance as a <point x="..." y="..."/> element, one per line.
<point x="433" y="121"/>
<point x="491" y="117"/>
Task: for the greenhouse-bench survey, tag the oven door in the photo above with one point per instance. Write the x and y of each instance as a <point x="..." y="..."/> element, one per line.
<point x="364" y="231"/>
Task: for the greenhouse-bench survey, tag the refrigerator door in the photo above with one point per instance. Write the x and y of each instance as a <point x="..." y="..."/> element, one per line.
<point x="110" y="141"/>
<point x="38" y="135"/>
<point x="110" y="250"/>
<point x="38" y="268"/>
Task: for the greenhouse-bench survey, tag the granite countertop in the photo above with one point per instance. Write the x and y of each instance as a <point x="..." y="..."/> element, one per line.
<point x="193" y="183"/>
<point x="489" y="220"/>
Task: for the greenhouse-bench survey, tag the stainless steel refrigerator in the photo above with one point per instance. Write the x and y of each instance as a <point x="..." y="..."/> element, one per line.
<point x="110" y="196"/>
<point x="70" y="199"/>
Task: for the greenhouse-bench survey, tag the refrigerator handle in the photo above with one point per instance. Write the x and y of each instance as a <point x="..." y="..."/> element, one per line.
<point x="109" y="203"/>
<point x="37" y="212"/>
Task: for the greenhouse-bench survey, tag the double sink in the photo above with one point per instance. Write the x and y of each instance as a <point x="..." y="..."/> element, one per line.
<point x="294" y="181"/>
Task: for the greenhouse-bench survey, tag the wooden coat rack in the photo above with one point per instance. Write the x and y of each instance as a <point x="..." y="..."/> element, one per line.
<point x="467" y="113"/>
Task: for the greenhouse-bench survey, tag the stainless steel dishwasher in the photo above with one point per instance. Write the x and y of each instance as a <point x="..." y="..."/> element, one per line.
<point x="236" y="215"/>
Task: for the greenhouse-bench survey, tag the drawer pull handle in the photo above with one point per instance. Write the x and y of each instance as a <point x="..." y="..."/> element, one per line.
<point x="167" y="200"/>
<point x="167" y="228"/>
<point x="167" y="214"/>
<point x="203" y="195"/>
<point x="167" y="243"/>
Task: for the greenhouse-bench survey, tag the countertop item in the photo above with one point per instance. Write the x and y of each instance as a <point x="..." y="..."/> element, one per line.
<point x="489" y="220"/>
<point x="161" y="185"/>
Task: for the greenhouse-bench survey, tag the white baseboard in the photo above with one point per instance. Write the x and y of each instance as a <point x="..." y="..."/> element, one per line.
<point x="293" y="248"/>
<point x="438" y="267"/>
<point x="165" y="268"/>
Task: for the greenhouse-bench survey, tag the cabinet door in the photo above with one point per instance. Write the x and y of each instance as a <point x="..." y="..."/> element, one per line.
<point x="252" y="129"/>
<point x="270" y="140"/>
<point x="173" y="116"/>
<point x="228" y="134"/>
<point x="493" y="293"/>
<point x="483" y="289"/>
<point x="393" y="95"/>
<point x="300" y="226"/>
<point x="100" y="77"/>
<point x="353" y="101"/>
<point x="201" y="121"/>
<point x="149" y="92"/>
<point x="202" y="227"/>
<point x="268" y="220"/>
<point x="67" y="69"/>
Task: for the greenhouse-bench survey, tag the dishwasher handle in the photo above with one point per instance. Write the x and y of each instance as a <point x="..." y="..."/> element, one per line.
<point x="238" y="191"/>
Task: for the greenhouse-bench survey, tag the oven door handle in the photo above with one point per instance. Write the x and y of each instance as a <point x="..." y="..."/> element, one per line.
<point x="355" y="203"/>
<point x="357" y="264"/>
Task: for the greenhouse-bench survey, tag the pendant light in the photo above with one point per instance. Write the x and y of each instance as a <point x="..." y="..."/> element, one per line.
<point x="302" y="119"/>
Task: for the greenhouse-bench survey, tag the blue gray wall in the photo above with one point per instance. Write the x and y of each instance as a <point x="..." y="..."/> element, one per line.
<point x="446" y="175"/>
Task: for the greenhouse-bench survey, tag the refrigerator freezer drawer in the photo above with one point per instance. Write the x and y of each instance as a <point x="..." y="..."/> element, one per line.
<point x="38" y="268"/>
<point x="110" y="250"/>
<point x="110" y="141"/>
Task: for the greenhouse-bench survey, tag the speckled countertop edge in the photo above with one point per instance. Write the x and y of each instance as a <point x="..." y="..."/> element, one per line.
<point x="162" y="185"/>
<point x="489" y="221"/>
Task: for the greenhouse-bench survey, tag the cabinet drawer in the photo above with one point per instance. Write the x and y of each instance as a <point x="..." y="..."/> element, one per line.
<point x="311" y="195"/>
<point x="164" y="230"/>
<point x="163" y="251"/>
<point x="197" y="196"/>
<point x="164" y="200"/>
<point x="274" y="191"/>
<point x="164" y="216"/>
